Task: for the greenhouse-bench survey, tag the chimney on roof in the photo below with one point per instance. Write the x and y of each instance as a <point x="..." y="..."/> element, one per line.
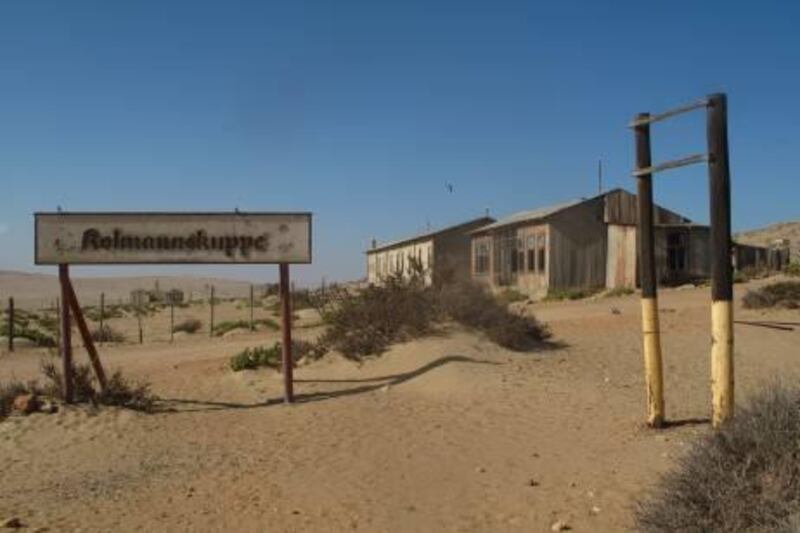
<point x="374" y="243"/>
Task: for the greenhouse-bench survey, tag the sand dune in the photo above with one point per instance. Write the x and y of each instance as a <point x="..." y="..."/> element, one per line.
<point x="449" y="433"/>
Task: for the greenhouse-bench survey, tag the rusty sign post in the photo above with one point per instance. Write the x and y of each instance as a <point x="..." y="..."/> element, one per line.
<point x="287" y="363"/>
<point x="168" y="238"/>
<point x="722" y="382"/>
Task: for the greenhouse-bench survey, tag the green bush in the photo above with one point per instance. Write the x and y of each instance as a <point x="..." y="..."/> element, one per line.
<point x="509" y="296"/>
<point x="270" y="356"/>
<point x="229" y="325"/>
<point x="190" y="325"/>
<point x="107" y="334"/>
<point x="111" y="311"/>
<point x="367" y="322"/>
<point x="792" y="269"/>
<point x="267" y="323"/>
<point x="474" y="307"/>
<point x="745" y="477"/>
<point x="39" y="338"/>
<point x="571" y="294"/>
<point x="779" y="294"/>
<point x="119" y="392"/>
<point x="619" y="291"/>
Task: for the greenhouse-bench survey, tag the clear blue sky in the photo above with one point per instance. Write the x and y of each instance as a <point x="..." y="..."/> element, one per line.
<point x="361" y="111"/>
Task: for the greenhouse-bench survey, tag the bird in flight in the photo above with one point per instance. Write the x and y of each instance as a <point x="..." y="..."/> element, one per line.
<point x="449" y="187"/>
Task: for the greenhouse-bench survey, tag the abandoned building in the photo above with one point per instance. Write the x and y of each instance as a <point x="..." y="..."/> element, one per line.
<point x="588" y="243"/>
<point x="442" y="255"/>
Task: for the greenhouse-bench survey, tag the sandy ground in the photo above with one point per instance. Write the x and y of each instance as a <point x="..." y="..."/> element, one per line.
<point x="449" y="433"/>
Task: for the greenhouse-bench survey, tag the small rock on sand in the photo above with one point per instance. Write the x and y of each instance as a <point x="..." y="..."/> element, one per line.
<point x="26" y="403"/>
<point x="560" y="526"/>
<point x="11" y="523"/>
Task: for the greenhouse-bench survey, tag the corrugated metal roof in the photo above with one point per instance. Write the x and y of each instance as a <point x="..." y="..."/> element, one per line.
<point x="428" y="234"/>
<point x="530" y="216"/>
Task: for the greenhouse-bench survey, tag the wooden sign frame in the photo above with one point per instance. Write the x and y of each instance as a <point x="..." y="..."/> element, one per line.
<point x="63" y="254"/>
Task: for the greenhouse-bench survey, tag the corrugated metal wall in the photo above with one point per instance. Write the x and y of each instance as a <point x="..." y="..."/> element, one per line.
<point x="621" y="259"/>
<point x="578" y="240"/>
<point x="620" y="208"/>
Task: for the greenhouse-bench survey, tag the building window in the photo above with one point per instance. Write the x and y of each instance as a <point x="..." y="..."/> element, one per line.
<point x="430" y="257"/>
<point x="531" y="254"/>
<point x="481" y="258"/>
<point x="540" y="252"/>
<point x="517" y="257"/>
<point x="676" y="251"/>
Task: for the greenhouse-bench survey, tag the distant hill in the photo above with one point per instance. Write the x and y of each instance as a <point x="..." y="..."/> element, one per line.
<point x="765" y="236"/>
<point x="37" y="290"/>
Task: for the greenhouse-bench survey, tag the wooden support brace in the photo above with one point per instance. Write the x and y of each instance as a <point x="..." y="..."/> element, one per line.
<point x="94" y="357"/>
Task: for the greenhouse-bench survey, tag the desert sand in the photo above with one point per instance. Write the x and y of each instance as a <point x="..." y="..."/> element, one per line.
<point x="448" y="433"/>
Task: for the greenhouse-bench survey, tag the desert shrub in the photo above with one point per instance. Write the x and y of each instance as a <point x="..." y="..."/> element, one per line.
<point x="229" y="325"/>
<point x="107" y="334"/>
<point x="49" y="323"/>
<point x="82" y="382"/>
<point x="745" y="477"/>
<point x="270" y="356"/>
<point x="576" y="293"/>
<point x="779" y="294"/>
<point x="510" y="296"/>
<point x="792" y="269"/>
<point x="38" y="337"/>
<point x="119" y="391"/>
<point x="267" y="323"/>
<point x="122" y="392"/>
<point x="366" y="323"/>
<point x="619" y="291"/>
<point x="473" y="306"/>
<point x="110" y="311"/>
<point x="190" y="325"/>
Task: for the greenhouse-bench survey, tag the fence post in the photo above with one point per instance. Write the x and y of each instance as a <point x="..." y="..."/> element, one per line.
<point x="252" y="305"/>
<point x="139" y="322"/>
<point x="10" y="324"/>
<point x="651" y="335"/>
<point x="102" y="316"/>
<point x="722" y="380"/>
<point x="211" y="320"/>
<point x="172" y="320"/>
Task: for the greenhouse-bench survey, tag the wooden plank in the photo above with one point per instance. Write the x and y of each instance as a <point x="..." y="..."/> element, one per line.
<point x="158" y="238"/>
<point x="94" y="357"/>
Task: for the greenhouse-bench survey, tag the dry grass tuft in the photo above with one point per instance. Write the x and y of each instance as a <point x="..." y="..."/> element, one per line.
<point x="745" y="477"/>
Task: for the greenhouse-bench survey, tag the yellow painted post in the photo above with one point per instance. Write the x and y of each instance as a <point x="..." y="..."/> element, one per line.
<point x="722" y="382"/>
<point x="651" y="334"/>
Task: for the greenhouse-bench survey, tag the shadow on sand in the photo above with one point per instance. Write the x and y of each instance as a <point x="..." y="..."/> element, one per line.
<point x="179" y="405"/>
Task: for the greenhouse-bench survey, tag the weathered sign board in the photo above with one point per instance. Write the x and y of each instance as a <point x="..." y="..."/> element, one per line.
<point x="143" y="238"/>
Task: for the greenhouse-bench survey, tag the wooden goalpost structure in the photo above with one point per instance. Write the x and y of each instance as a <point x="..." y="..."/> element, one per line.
<point x="722" y="374"/>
